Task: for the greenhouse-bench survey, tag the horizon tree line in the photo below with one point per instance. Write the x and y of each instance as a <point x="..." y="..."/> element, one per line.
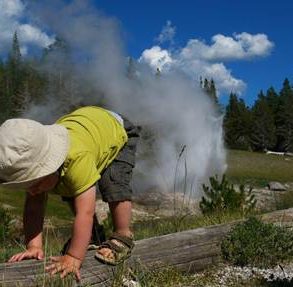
<point x="266" y="125"/>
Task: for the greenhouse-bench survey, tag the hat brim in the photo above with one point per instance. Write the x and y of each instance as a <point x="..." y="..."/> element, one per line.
<point x="55" y="156"/>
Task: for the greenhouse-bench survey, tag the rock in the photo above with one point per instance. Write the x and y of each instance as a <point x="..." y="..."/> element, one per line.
<point x="276" y="186"/>
<point x="279" y="217"/>
<point x="130" y="283"/>
<point x="265" y="199"/>
<point x="158" y="203"/>
<point x="102" y="210"/>
<point x="150" y="198"/>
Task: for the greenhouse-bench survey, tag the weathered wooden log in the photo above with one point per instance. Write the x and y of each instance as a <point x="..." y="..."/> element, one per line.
<point x="189" y="251"/>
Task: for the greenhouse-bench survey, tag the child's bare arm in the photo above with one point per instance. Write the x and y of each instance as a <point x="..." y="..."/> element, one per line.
<point x="33" y="219"/>
<point x="84" y="206"/>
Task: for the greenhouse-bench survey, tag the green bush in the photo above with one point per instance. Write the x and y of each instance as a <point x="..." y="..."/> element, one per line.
<point x="258" y="244"/>
<point x="221" y="196"/>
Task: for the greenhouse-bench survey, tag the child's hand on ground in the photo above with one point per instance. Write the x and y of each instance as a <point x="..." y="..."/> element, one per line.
<point x="32" y="252"/>
<point x="65" y="264"/>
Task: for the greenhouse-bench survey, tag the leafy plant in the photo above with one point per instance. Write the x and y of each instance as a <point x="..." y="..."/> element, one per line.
<point x="221" y="196"/>
<point x="258" y="244"/>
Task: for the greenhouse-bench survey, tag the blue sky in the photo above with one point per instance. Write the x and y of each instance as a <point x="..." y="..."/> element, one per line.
<point x="245" y="46"/>
<point x="142" y="22"/>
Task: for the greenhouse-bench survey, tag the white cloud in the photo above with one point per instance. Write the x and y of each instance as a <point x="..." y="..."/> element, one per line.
<point x="167" y="34"/>
<point x="200" y="59"/>
<point x="34" y="35"/>
<point x="239" y="47"/>
<point x="10" y="8"/>
<point x="223" y="77"/>
<point x="11" y="14"/>
<point x="156" y="57"/>
<point x="255" y="45"/>
<point x="225" y="81"/>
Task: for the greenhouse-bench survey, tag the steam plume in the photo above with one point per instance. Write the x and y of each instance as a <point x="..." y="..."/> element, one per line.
<point x="171" y="104"/>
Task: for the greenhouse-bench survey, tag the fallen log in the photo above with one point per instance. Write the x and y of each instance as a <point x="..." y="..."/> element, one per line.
<point x="189" y="251"/>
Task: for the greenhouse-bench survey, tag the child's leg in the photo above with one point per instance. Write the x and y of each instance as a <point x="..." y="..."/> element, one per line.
<point x="116" y="189"/>
<point x="121" y="216"/>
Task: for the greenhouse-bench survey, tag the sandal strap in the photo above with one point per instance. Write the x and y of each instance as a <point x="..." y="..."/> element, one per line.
<point x="111" y="245"/>
<point x="126" y="240"/>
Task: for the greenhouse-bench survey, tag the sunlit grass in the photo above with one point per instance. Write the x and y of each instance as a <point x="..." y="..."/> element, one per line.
<point x="57" y="210"/>
<point x="177" y="223"/>
<point x="258" y="168"/>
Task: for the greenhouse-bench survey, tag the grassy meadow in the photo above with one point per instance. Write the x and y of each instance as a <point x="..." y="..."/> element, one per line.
<point x="57" y="211"/>
<point x="252" y="168"/>
<point x="256" y="169"/>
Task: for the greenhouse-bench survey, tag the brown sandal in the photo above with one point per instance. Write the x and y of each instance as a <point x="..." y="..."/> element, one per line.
<point x="121" y="251"/>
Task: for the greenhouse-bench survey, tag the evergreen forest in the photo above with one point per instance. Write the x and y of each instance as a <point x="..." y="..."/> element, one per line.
<point x="266" y="125"/>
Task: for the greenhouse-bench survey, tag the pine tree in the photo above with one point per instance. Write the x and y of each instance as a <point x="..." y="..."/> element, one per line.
<point x="237" y="124"/>
<point x="210" y="89"/>
<point x="263" y="135"/>
<point x="59" y="46"/>
<point x="284" y="118"/>
<point x="34" y="82"/>
<point x="272" y="98"/>
<point x="131" y="68"/>
<point x="2" y="93"/>
<point x="213" y="91"/>
<point x="158" y="73"/>
<point x="15" y="55"/>
<point x="62" y="86"/>
<point x="14" y="79"/>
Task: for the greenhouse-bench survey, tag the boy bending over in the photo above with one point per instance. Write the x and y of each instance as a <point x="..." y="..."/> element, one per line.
<point x="88" y="149"/>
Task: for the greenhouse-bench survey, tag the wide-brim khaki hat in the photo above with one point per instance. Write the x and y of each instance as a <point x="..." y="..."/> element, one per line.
<point x="30" y="150"/>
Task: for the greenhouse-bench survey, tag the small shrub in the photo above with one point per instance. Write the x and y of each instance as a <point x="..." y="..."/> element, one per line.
<point x="258" y="244"/>
<point x="221" y="196"/>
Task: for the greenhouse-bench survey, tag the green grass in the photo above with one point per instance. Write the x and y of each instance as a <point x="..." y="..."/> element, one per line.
<point x="258" y="168"/>
<point x="243" y="167"/>
<point x="180" y="222"/>
<point x="57" y="210"/>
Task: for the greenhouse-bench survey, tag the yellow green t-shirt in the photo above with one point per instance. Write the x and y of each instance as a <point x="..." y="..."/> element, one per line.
<point x="96" y="137"/>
